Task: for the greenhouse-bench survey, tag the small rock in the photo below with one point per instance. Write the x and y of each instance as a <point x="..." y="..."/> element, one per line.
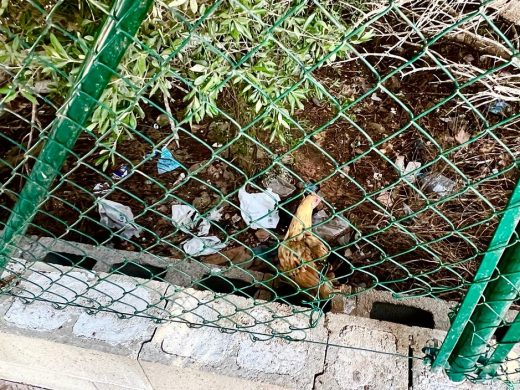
<point x="468" y="58"/>
<point x="439" y="184"/>
<point x="377" y="127"/>
<point x="262" y="235"/>
<point x="316" y="102"/>
<point x="163" y="209"/>
<point x="201" y="202"/>
<point x="336" y="229"/>
<point x="236" y="219"/>
<point x="393" y="83"/>
<point x="375" y="98"/>
<point x="287" y="160"/>
<point x="162" y="120"/>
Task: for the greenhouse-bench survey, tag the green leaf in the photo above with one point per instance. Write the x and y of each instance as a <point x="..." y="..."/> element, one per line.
<point x="57" y="46"/>
<point x="193" y="6"/>
<point x="29" y="97"/>
<point x="198" y="68"/>
<point x="199" y="80"/>
<point x="176" y="3"/>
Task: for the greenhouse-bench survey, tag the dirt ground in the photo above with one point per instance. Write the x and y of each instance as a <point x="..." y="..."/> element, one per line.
<point x="406" y="239"/>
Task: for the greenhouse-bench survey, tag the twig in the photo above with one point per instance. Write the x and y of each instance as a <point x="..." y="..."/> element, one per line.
<point x="170" y="116"/>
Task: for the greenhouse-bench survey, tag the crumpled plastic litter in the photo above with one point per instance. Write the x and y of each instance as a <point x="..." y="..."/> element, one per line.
<point x="118" y="216"/>
<point x="336" y="229"/>
<point x="280" y="186"/>
<point x="166" y="162"/>
<point x="439" y="184"/>
<point x="101" y="189"/>
<point x="498" y="106"/>
<point x="187" y="219"/>
<point x="203" y="246"/>
<point x="258" y="209"/>
<point x="121" y="172"/>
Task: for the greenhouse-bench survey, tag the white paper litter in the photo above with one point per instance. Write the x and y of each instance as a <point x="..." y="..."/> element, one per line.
<point x="257" y="209"/>
<point x="337" y="228"/>
<point x="118" y="216"/>
<point x="203" y="246"/>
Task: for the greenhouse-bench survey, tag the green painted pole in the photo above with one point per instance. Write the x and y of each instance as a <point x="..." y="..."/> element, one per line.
<point x="112" y="42"/>
<point x="489" y="315"/>
<point x="501" y="238"/>
<point x="511" y="337"/>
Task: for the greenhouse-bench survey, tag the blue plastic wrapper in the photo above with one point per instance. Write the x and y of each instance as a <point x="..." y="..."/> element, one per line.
<point x="498" y="106"/>
<point x="120" y="172"/>
<point x="166" y="161"/>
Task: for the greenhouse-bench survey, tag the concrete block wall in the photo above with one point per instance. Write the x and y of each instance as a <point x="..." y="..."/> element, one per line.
<point x="62" y="346"/>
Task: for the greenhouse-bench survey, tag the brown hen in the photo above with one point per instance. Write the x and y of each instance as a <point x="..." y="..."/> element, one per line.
<point x="302" y="254"/>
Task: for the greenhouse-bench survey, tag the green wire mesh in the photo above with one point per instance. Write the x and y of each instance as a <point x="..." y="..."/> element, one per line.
<point x="402" y="116"/>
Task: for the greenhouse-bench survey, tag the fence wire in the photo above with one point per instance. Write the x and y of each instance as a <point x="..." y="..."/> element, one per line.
<point x="281" y="151"/>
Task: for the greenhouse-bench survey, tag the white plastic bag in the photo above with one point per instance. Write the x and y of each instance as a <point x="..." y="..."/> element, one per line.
<point x="203" y="246"/>
<point x="187" y="219"/>
<point x="257" y="209"/>
<point x="118" y="216"/>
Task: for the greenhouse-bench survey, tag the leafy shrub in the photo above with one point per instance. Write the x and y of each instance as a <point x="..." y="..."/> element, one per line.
<point x="264" y="49"/>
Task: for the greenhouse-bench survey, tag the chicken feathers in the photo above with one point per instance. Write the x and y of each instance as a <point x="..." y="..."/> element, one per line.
<point x="302" y="254"/>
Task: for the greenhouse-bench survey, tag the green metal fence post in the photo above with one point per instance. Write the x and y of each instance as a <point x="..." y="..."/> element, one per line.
<point x="511" y="337"/>
<point x="112" y="42"/>
<point x="498" y="296"/>
<point x="501" y="238"/>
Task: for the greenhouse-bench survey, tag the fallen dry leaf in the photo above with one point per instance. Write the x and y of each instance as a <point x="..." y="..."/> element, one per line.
<point x="462" y="137"/>
<point x="234" y="255"/>
<point x="385" y="198"/>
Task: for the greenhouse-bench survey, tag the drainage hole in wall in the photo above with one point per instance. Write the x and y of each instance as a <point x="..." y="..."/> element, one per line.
<point x="143" y="271"/>
<point x="401" y="314"/>
<point x="220" y="284"/>
<point x="69" y="260"/>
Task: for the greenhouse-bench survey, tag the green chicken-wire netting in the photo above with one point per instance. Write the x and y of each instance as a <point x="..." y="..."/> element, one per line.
<point x="401" y="117"/>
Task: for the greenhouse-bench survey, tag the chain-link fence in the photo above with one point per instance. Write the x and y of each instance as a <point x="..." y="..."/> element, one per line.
<point x="281" y="151"/>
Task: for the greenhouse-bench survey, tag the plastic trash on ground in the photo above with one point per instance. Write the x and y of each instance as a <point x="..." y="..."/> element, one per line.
<point x="187" y="219"/>
<point x="439" y="184"/>
<point x="101" y="189"/>
<point x="117" y="216"/>
<point x="258" y="209"/>
<point x="203" y="246"/>
<point x="121" y="172"/>
<point x="336" y="229"/>
<point x="167" y="162"/>
<point x="498" y="106"/>
<point x="279" y="185"/>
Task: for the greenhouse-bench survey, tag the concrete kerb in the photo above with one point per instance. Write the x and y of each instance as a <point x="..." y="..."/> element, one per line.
<point x="270" y="359"/>
<point x="178" y="272"/>
<point x="67" y="320"/>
